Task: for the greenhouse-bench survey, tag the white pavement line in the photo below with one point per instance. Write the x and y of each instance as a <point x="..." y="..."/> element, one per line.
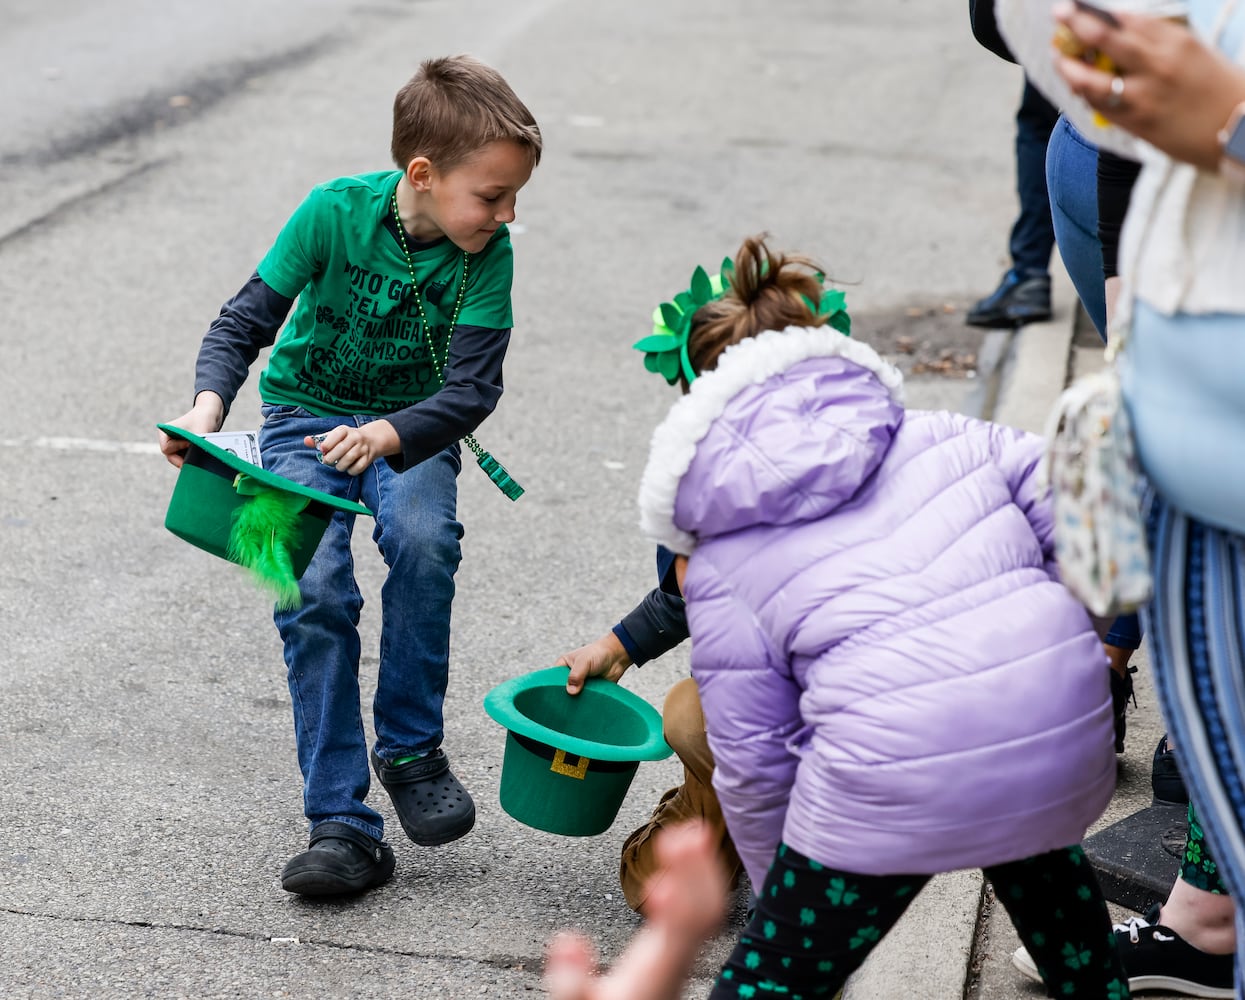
<point x="84" y="444"/>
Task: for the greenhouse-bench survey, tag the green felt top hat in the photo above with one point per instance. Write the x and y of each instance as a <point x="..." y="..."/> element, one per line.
<point x="569" y="759"/>
<point x="271" y="525"/>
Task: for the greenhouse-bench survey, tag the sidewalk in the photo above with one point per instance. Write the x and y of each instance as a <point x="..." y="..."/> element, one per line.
<point x="953" y="938"/>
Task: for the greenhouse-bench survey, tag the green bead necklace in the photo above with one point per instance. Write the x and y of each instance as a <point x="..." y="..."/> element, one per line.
<point x="487" y="462"/>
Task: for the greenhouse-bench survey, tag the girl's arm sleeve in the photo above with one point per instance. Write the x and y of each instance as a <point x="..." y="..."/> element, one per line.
<point x="247" y="324"/>
<point x="1019" y="454"/>
<point x="472" y="387"/>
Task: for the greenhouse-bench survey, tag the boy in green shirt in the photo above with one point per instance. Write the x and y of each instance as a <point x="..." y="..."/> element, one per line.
<point x="394" y="351"/>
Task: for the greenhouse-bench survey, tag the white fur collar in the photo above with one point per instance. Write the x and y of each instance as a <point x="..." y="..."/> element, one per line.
<point x="748" y="362"/>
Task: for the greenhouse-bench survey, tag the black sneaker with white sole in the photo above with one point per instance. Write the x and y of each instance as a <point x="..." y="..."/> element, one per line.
<point x="1157" y="958"/>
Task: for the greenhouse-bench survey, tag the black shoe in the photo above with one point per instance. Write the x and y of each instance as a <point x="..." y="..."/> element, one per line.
<point x="1121" y="693"/>
<point x="1157" y="958"/>
<point x="431" y="804"/>
<point x="339" y="860"/>
<point x="1165" y="776"/>
<point x="1019" y="299"/>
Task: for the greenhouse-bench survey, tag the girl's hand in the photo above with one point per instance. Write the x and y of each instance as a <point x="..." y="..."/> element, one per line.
<point x="353" y="449"/>
<point x="1175" y="92"/>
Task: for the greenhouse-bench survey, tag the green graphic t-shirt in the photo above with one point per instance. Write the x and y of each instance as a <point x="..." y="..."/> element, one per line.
<point x="353" y="342"/>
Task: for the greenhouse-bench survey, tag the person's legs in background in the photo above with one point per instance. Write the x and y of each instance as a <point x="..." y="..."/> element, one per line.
<point x="1180" y="945"/>
<point x="1072" y="184"/>
<point x="1196" y="624"/>
<point x="1023" y="296"/>
<point x="1198" y="908"/>
<point x="1120" y="643"/>
<point x="1183" y="945"/>
<point x="1033" y="235"/>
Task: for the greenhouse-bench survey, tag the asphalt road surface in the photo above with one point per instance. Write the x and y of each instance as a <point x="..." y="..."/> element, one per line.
<point x="149" y="152"/>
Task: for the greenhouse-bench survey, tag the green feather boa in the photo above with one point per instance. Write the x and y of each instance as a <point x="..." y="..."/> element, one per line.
<point x="261" y="538"/>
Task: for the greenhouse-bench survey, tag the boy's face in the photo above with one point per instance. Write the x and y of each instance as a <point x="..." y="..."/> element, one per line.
<point x="468" y="202"/>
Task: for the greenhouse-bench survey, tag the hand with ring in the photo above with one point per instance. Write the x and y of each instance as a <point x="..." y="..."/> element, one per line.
<point x="1116" y="97"/>
<point x="1166" y="86"/>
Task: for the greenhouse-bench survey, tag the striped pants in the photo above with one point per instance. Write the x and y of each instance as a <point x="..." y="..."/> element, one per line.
<point x="1196" y="627"/>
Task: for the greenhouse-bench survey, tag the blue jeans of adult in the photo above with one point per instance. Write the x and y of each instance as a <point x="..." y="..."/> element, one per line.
<point x="1072" y="180"/>
<point x="419" y="536"/>
<point x="1032" y="236"/>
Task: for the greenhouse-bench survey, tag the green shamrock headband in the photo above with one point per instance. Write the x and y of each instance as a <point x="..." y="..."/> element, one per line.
<point x="665" y="349"/>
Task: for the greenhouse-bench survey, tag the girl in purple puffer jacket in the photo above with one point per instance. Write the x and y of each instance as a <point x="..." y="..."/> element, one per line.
<point x="894" y="680"/>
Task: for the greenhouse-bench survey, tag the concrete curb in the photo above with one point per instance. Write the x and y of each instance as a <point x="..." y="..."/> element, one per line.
<point x="933" y="944"/>
<point x="1036" y="368"/>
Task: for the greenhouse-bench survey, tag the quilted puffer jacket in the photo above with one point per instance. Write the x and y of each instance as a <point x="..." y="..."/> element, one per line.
<point x="893" y="678"/>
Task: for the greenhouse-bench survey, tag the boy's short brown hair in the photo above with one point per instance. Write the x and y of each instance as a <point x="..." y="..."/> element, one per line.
<point x="455" y="106"/>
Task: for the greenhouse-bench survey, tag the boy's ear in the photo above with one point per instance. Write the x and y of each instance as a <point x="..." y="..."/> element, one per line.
<point x="419" y="173"/>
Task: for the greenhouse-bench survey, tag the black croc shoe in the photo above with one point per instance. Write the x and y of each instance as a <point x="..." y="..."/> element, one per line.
<point x="432" y="805"/>
<point x="339" y="860"/>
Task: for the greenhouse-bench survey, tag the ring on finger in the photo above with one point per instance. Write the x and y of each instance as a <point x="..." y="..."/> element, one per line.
<point x="1116" y="97"/>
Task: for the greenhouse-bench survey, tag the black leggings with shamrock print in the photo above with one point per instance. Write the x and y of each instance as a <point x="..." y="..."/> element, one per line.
<point x="1197" y="867"/>
<point x="814" y="926"/>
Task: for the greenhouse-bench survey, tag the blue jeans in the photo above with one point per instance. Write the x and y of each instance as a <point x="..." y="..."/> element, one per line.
<point x="1072" y="180"/>
<point x="419" y="537"/>
<point x="1032" y="237"/>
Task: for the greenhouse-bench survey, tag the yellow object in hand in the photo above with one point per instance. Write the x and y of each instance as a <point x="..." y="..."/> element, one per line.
<point x="1071" y="46"/>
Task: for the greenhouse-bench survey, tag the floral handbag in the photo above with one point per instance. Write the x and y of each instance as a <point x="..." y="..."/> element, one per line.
<point x="1091" y="465"/>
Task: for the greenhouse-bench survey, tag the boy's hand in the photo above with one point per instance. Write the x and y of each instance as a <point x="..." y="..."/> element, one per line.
<point x="205" y="417"/>
<point x="352" y="450"/>
<point x="604" y="658"/>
